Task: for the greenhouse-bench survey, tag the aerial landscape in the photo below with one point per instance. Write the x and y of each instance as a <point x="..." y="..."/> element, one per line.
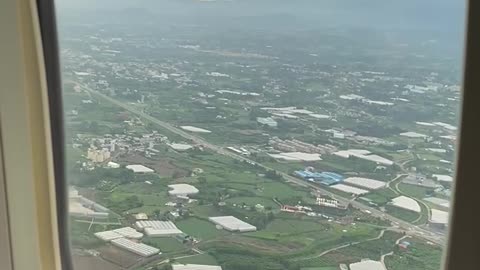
<point x="239" y="135"/>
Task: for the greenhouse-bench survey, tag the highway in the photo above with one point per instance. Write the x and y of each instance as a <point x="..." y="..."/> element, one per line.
<point x="408" y="227"/>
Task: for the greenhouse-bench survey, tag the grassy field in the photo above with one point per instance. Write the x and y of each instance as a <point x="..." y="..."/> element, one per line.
<point x="252" y="201"/>
<point x="414" y="191"/>
<point x="418" y="256"/>
<point x="198" y="259"/>
<point x="200" y="229"/>
<point x="401" y="213"/>
<point x="165" y="244"/>
<point x="381" y="196"/>
<point x="312" y="235"/>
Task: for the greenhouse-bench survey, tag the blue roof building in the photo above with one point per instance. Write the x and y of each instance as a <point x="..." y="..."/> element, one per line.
<point x="326" y="178"/>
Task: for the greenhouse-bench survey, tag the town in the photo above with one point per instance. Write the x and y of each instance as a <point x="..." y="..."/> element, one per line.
<point x="198" y="153"/>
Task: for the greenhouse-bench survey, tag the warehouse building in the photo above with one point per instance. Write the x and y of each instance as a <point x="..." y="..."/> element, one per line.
<point x="156" y="228"/>
<point x="137" y="248"/>
<point x="195" y="267"/>
<point x="233" y="224"/>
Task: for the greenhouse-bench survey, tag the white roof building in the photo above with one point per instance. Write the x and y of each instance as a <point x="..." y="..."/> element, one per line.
<point x="412" y="134"/>
<point x="406" y="203"/>
<point x="180" y="146"/>
<point x="363" y="154"/>
<point x="156" y="228"/>
<point x="195" y="267"/>
<point x="267" y="121"/>
<point x="349" y="189"/>
<point x="136" y="168"/>
<point x="137" y="248"/>
<point x="365" y="182"/>
<point x="297" y="156"/>
<point x="195" y="129"/>
<point x="439" y="217"/>
<point x="182" y="190"/>
<point x="231" y="223"/>
<point x="443" y="177"/>
<point x="108" y="235"/>
<point x="438" y="201"/>
<point x="113" y="165"/>
<point x="367" y="265"/>
<point x="127" y="232"/>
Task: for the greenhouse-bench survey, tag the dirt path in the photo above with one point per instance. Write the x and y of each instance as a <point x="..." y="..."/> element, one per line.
<point x="382" y="259"/>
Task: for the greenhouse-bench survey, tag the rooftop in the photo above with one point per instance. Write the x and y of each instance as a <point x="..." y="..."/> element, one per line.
<point x="438" y="216"/>
<point x="195" y="129"/>
<point x="182" y="189"/>
<point x="232" y="223"/>
<point x="349" y="189"/>
<point x="195" y="267"/>
<point x="367" y="265"/>
<point x="157" y="227"/>
<point x="136" y="168"/>
<point x="365" y="182"/>
<point x="296" y="156"/>
<point x="137" y="248"/>
<point x="406" y="203"/>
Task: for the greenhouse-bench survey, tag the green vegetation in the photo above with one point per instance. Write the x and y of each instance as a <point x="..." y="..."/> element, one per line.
<point x="415" y="191"/>
<point x="82" y="234"/>
<point x="418" y="256"/>
<point x="165" y="244"/>
<point x="198" y="259"/>
<point x="199" y="228"/>
<point x="402" y="214"/>
<point x="381" y="196"/>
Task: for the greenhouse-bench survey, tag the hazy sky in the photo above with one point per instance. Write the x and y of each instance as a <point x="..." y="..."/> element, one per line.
<point x="444" y="15"/>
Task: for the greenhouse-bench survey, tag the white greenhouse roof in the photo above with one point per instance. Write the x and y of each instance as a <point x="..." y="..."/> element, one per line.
<point x="443" y="177"/>
<point x="158" y="228"/>
<point x="363" y="154"/>
<point x="365" y="182"/>
<point x="129" y="232"/>
<point x="412" y="134"/>
<point x="137" y="248"/>
<point x="195" y="129"/>
<point x="139" y="168"/>
<point x="297" y="156"/>
<point x="182" y="189"/>
<point x="180" y="146"/>
<point x="195" y="267"/>
<point x="367" y="265"/>
<point x="349" y="189"/>
<point x="119" y="233"/>
<point x="406" y="203"/>
<point x="438" y="201"/>
<point x="440" y="217"/>
<point x="108" y="235"/>
<point x="232" y="223"/>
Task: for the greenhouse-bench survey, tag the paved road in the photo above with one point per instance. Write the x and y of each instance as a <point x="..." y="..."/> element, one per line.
<point x="410" y="228"/>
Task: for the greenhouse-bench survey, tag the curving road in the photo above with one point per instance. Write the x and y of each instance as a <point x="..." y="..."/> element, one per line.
<point x="410" y="228"/>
